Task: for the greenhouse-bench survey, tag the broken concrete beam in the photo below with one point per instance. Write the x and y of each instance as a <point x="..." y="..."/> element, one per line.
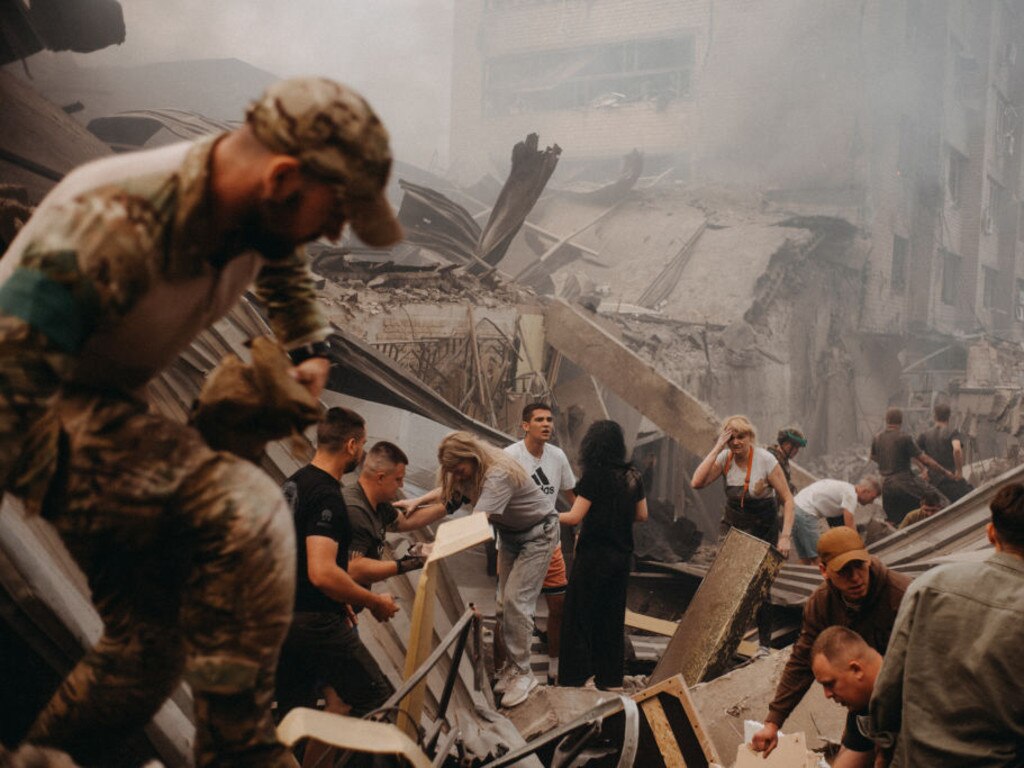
<point x="676" y="412"/>
<point x="711" y="629"/>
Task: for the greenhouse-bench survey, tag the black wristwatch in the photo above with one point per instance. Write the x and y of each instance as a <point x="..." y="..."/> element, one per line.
<point x="306" y="351"/>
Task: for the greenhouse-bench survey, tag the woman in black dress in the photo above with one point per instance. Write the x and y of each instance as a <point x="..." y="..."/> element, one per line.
<point x="609" y="499"/>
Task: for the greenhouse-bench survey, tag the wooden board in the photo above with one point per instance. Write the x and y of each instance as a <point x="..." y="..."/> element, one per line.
<point x="650" y="624"/>
<point x="352" y="733"/>
<point x="460" y="533"/>
<point x="672" y="721"/>
<point x="452" y="537"/>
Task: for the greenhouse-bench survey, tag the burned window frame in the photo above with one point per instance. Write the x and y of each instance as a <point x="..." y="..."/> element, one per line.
<point x="989" y="286"/>
<point x="900" y="262"/>
<point x="567" y="79"/>
<point x="956" y="169"/>
<point x="951" y="265"/>
<point x="1004" y="126"/>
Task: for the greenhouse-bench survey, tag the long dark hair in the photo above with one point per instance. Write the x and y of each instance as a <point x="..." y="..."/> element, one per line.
<point x="603" y="447"/>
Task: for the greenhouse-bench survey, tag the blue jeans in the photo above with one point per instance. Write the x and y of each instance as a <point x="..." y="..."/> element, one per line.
<point x="806" y="531"/>
<point x="523" y="559"/>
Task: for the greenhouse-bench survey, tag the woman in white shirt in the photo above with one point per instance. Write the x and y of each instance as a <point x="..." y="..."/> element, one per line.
<point x="754" y="486"/>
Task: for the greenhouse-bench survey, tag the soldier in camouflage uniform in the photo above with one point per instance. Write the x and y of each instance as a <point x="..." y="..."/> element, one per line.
<point x="189" y="552"/>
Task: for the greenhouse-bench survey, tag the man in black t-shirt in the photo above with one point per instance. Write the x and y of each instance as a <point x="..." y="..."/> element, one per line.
<point x="371" y="515"/>
<point x="943" y="444"/>
<point x="322" y="643"/>
<point x="893" y="450"/>
<point x="846" y="667"/>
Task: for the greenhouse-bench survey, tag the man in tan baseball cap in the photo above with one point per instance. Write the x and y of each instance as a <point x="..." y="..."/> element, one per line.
<point x="839" y="546"/>
<point x="858" y="593"/>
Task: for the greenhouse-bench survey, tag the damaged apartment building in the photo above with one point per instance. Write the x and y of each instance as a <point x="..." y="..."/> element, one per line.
<point x="804" y="211"/>
<point x="836" y="224"/>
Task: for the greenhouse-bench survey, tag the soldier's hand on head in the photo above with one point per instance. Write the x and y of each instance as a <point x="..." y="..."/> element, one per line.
<point x="312" y="374"/>
<point x="384" y="607"/>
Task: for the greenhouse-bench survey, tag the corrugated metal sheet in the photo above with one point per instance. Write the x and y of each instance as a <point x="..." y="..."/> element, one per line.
<point x="45" y="598"/>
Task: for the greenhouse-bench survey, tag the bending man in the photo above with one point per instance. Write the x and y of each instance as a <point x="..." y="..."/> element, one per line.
<point x="189" y="553"/>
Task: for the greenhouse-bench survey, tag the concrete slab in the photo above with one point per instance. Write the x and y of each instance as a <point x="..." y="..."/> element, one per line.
<point x="550" y="707"/>
<point x="744" y="694"/>
<point x="714" y="623"/>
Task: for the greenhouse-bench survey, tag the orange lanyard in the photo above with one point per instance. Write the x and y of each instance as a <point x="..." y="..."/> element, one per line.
<point x="746" y="480"/>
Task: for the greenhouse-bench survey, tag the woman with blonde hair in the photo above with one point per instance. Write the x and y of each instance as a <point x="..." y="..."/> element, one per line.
<point x="754" y="485"/>
<point x="474" y="472"/>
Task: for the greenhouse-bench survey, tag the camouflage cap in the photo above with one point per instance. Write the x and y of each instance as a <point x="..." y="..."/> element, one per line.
<point x="337" y="136"/>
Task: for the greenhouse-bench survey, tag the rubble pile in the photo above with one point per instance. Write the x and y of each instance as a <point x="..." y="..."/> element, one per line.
<point x="356" y="293"/>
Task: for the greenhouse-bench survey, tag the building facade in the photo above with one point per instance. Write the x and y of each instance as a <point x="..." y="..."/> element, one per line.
<point x="902" y="117"/>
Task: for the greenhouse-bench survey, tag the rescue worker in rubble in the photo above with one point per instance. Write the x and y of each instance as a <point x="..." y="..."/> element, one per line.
<point x="892" y="450"/>
<point x="322" y="643"/>
<point x="846" y="667"/>
<point x="754" y="485"/>
<point x="374" y="509"/>
<point x="945" y="444"/>
<point x="788" y="443"/>
<point x="858" y="593"/>
<point x="474" y="472"/>
<point x="949" y="691"/>
<point x="189" y="553"/>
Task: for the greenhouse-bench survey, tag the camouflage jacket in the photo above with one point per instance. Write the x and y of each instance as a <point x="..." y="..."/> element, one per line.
<point x="119" y="267"/>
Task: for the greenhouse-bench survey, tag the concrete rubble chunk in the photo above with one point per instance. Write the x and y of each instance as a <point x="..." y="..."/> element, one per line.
<point x="726" y="702"/>
<point x="724" y="606"/>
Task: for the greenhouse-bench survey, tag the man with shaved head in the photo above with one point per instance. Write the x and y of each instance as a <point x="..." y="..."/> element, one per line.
<point x="372" y="514"/>
<point x="846" y="668"/>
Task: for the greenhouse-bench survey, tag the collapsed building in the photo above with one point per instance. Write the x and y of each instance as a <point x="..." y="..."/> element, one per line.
<point x="638" y="289"/>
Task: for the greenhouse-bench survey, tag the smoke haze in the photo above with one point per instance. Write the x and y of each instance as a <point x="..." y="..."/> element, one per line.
<point x="396" y="52"/>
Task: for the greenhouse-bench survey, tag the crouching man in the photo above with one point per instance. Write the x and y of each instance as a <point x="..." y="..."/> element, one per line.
<point x="846" y="667"/>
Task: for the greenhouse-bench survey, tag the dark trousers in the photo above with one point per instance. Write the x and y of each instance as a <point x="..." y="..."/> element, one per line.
<point x="594" y="618"/>
<point x="321" y="648"/>
<point x="765" y="526"/>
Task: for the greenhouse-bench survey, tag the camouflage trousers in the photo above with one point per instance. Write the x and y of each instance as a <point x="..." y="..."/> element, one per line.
<point x="190" y="557"/>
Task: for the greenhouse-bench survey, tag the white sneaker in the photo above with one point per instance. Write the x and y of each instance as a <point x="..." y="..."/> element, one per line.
<point x="762" y="652"/>
<point x="518" y="690"/>
<point x="501" y="683"/>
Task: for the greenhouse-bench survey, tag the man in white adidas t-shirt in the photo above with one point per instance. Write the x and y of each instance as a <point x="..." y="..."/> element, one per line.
<point x="548" y="466"/>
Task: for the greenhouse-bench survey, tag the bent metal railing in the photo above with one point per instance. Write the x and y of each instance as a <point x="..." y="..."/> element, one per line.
<point x="572" y="741"/>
